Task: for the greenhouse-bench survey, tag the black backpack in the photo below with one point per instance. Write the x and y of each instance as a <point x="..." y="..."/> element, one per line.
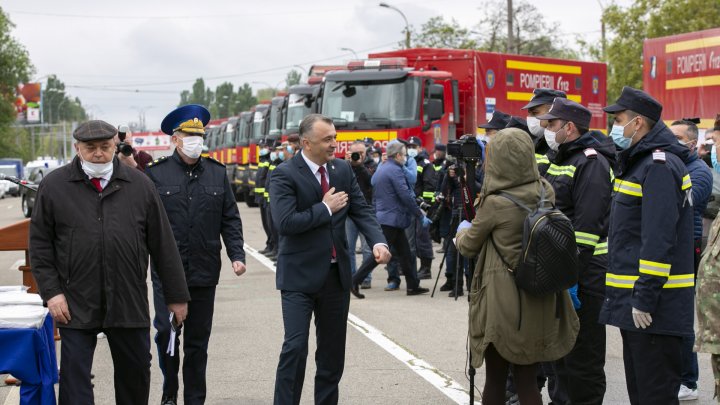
<point x="549" y="261"/>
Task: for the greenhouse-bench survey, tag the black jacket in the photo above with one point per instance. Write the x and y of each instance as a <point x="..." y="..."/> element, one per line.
<point x="363" y="176"/>
<point x="261" y="178"/>
<point x="93" y="247"/>
<point x="581" y="175"/>
<point x="201" y="206"/>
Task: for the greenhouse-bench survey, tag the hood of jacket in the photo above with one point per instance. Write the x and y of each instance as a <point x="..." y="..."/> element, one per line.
<point x="510" y="161"/>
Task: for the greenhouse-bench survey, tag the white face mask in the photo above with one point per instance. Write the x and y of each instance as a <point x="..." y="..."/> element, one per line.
<point x="412" y="153"/>
<point x="534" y="126"/>
<point x="96" y="169"/>
<point x="550" y="139"/>
<point x="192" y="146"/>
<point x="376" y="160"/>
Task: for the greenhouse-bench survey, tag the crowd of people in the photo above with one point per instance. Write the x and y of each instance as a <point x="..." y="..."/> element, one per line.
<point x="637" y="199"/>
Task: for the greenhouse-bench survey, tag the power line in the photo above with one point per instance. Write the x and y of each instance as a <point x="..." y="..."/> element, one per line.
<point x="166" y="17"/>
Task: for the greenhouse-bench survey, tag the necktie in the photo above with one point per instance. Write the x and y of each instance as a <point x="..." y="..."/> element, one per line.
<point x="325" y="187"/>
<point x="96" y="182"/>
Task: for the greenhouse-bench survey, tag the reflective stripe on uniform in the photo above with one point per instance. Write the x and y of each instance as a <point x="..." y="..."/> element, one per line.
<point x="541" y="159"/>
<point x="437" y="168"/>
<point x="259" y="190"/>
<point x="272" y="167"/>
<point x="654" y="268"/>
<point x="612" y="176"/>
<point x="429" y="195"/>
<point x="419" y="169"/>
<point x="586" y="238"/>
<point x="555" y="170"/>
<point x="676" y="281"/>
<point x="686" y="183"/>
<point x="601" y="249"/>
<point x="627" y="187"/>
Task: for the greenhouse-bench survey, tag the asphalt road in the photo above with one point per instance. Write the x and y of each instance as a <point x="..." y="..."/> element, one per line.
<point x="400" y="349"/>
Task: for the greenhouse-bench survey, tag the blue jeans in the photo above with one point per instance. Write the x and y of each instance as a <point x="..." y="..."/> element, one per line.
<point x="352" y="235"/>
<point x="689" y="370"/>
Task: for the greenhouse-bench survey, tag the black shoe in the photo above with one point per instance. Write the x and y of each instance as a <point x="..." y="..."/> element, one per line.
<point x="356" y="292"/>
<point x="266" y="250"/>
<point x="418" y="291"/>
<point x="448" y="286"/>
<point x="271" y="255"/>
<point x="424" y="275"/>
<point x="168" y="400"/>
<point x="460" y="293"/>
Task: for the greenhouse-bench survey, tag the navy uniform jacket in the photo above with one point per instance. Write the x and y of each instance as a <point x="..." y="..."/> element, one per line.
<point x="261" y="178"/>
<point x="201" y="206"/>
<point x="426" y="178"/>
<point x="651" y="264"/>
<point x="581" y="175"/>
<point x="308" y="231"/>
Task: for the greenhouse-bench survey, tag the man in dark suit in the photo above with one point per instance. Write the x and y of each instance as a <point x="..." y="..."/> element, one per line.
<point x="312" y="196"/>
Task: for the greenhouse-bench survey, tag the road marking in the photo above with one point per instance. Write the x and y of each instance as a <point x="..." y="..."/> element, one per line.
<point x="13" y="397"/>
<point x="443" y="382"/>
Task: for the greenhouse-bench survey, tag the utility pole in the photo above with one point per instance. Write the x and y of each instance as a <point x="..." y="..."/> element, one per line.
<point x="510" y="44"/>
<point x="602" y="31"/>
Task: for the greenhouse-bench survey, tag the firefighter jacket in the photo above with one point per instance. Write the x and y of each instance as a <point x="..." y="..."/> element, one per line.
<point x="426" y="178"/>
<point x="270" y="169"/>
<point x="542" y="154"/>
<point x="650" y="242"/>
<point x="260" y="178"/>
<point x="201" y="207"/>
<point x="581" y="175"/>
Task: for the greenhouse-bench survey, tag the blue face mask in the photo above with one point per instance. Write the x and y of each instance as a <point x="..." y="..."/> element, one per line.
<point x="281" y="155"/>
<point x="714" y="159"/>
<point x="617" y="133"/>
<point x="264" y="152"/>
<point x="273" y="156"/>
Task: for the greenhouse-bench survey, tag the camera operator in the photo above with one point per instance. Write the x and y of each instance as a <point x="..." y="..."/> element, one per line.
<point x="356" y="156"/>
<point x="126" y="153"/>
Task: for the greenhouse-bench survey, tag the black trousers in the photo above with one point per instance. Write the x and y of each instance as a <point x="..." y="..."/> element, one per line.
<point x="397" y="240"/>
<point x="581" y="373"/>
<point x="130" y="350"/>
<point x="330" y="306"/>
<point x="264" y="208"/>
<point x="652" y="367"/>
<point x="274" y="235"/>
<point x="196" y="335"/>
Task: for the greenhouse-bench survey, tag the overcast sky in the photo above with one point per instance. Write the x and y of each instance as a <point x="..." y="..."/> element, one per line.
<point x="155" y="49"/>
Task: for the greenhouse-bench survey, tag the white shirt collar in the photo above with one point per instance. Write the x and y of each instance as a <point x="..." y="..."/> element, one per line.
<point x="314" y="167"/>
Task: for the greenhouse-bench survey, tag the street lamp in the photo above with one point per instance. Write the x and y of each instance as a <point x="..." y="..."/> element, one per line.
<point x="351" y="51"/>
<point x="407" y="26"/>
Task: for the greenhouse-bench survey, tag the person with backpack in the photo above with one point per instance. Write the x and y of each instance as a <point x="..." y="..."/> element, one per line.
<point x="650" y="278"/>
<point x="509" y="325"/>
<point x="580" y="172"/>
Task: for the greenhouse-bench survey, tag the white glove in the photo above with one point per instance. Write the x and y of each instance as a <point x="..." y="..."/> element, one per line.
<point x="641" y="319"/>
<point x="464" y="225"/>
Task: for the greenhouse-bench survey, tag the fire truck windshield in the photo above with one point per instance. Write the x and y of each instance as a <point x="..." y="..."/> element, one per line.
<point x="274" y="121"/>
<point x="373" y="104"/>
<point x="296" y="111"/>
<point x="257" y="125"/>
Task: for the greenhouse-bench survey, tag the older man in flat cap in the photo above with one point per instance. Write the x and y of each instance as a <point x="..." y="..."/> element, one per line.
<point x="94" y="224"/>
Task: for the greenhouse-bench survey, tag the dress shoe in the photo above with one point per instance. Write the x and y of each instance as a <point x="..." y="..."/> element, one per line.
<point x="168" y="400"/>
<point x="365" y="285"/>
<point x="424" y="274"/>
<point x="448" y="286"/>
<point x="453" y="293"/>
<point x="392" y="286"/>
<point x="417" y="291"/>
<point x="356" y="292"/>
<point x="271" y="255"/>
<point x="266" y="250"/>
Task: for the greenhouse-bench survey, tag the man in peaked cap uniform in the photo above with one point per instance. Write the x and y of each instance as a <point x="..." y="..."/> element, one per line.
<point x="260" y="188"/>
<point x="581" y="174"/>
<point x="498" y="121"/>
<point x="95" y="222"/>
<point x="201" y="207"/>
<point x="650" y="279"/>
<point x="540" y="104"/>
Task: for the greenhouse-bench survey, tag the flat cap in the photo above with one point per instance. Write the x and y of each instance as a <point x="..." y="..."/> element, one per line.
<point x="568" y="110"/>
<point x="499" y="120"/>
<point x="544" y="96"/>
<point x="637" y="101"/>
<point x="94" y="130"/>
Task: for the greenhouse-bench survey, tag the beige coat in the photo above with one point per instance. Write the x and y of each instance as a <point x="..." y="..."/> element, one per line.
<point x="525" y="329"/>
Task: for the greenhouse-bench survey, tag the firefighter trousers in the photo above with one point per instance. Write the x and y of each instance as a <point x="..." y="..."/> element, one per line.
<point x="652" y="367"/>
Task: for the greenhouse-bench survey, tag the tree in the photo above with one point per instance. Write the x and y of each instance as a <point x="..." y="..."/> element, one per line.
<point x="57" y="106"/>
<point x="629" y="27"/>
<point x="245" y="99"/>
<point x="225" y="99"/>
<point x="293" y="77"/>
<point x="436" y="33"/>
<point x="15" y="68"/>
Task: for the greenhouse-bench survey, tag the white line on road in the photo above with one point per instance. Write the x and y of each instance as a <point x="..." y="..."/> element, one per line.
<point x="13" y="397"/>
<point x="443" y="382"/>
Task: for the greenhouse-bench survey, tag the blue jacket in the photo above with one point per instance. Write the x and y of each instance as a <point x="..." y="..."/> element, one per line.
<point x="393" y="198"/>
<point x="702" y="182"/>
<point x="650" y="243"/>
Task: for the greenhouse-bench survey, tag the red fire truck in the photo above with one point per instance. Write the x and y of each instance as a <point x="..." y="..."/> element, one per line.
<point x="683" y="73"/>
<point x="441" y="94"/>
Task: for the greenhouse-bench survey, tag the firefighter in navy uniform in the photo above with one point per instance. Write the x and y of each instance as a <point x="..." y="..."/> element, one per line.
<point x="201" y="207"/>
<point x="276" y="157"/>
<point x="260" y="179"/>
<point x="650" y="279"/>
<point x="580" y="172"/>
<point x="425" y="189"/>
<point x="540" y="104"/>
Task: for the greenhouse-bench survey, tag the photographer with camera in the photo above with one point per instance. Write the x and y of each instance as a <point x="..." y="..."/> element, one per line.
<point x="356" y="157"/>
<point x="126" y="153"/>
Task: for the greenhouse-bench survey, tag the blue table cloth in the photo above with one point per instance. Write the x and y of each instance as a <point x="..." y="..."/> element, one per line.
<point x="29" y="355"/>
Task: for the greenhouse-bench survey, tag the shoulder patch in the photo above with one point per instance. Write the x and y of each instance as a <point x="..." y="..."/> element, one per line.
<point x="427" y="161"/>
<point x="659" y="156"/>
<point x="209" y="159"/>
<point x="590" y="153"/>
<point x="157" y="161"/>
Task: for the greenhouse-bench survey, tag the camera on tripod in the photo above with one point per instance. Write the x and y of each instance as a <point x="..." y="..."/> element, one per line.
<point x="466" y="148"/>
<point x="123" y="147"/>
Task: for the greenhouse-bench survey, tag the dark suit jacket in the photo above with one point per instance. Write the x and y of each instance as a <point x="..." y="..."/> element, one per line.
<point x="308" y="232"/>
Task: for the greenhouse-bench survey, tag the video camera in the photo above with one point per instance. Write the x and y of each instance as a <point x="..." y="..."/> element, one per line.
<point x="123" y="147"/>
<point x="466" y="148"/>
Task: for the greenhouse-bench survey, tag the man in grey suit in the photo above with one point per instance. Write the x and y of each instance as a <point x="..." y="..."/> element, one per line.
<point x="311" y="197"/>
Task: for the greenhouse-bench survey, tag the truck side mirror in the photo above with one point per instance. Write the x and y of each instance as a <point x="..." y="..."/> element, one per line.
<point x="433" y="109"/>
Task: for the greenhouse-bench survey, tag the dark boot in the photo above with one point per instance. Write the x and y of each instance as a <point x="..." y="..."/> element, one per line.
<point x="449" y="285"/>
<point x="425" y="272"/>
<point x="456" y="293"/>
<point x="169" y="399"/>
